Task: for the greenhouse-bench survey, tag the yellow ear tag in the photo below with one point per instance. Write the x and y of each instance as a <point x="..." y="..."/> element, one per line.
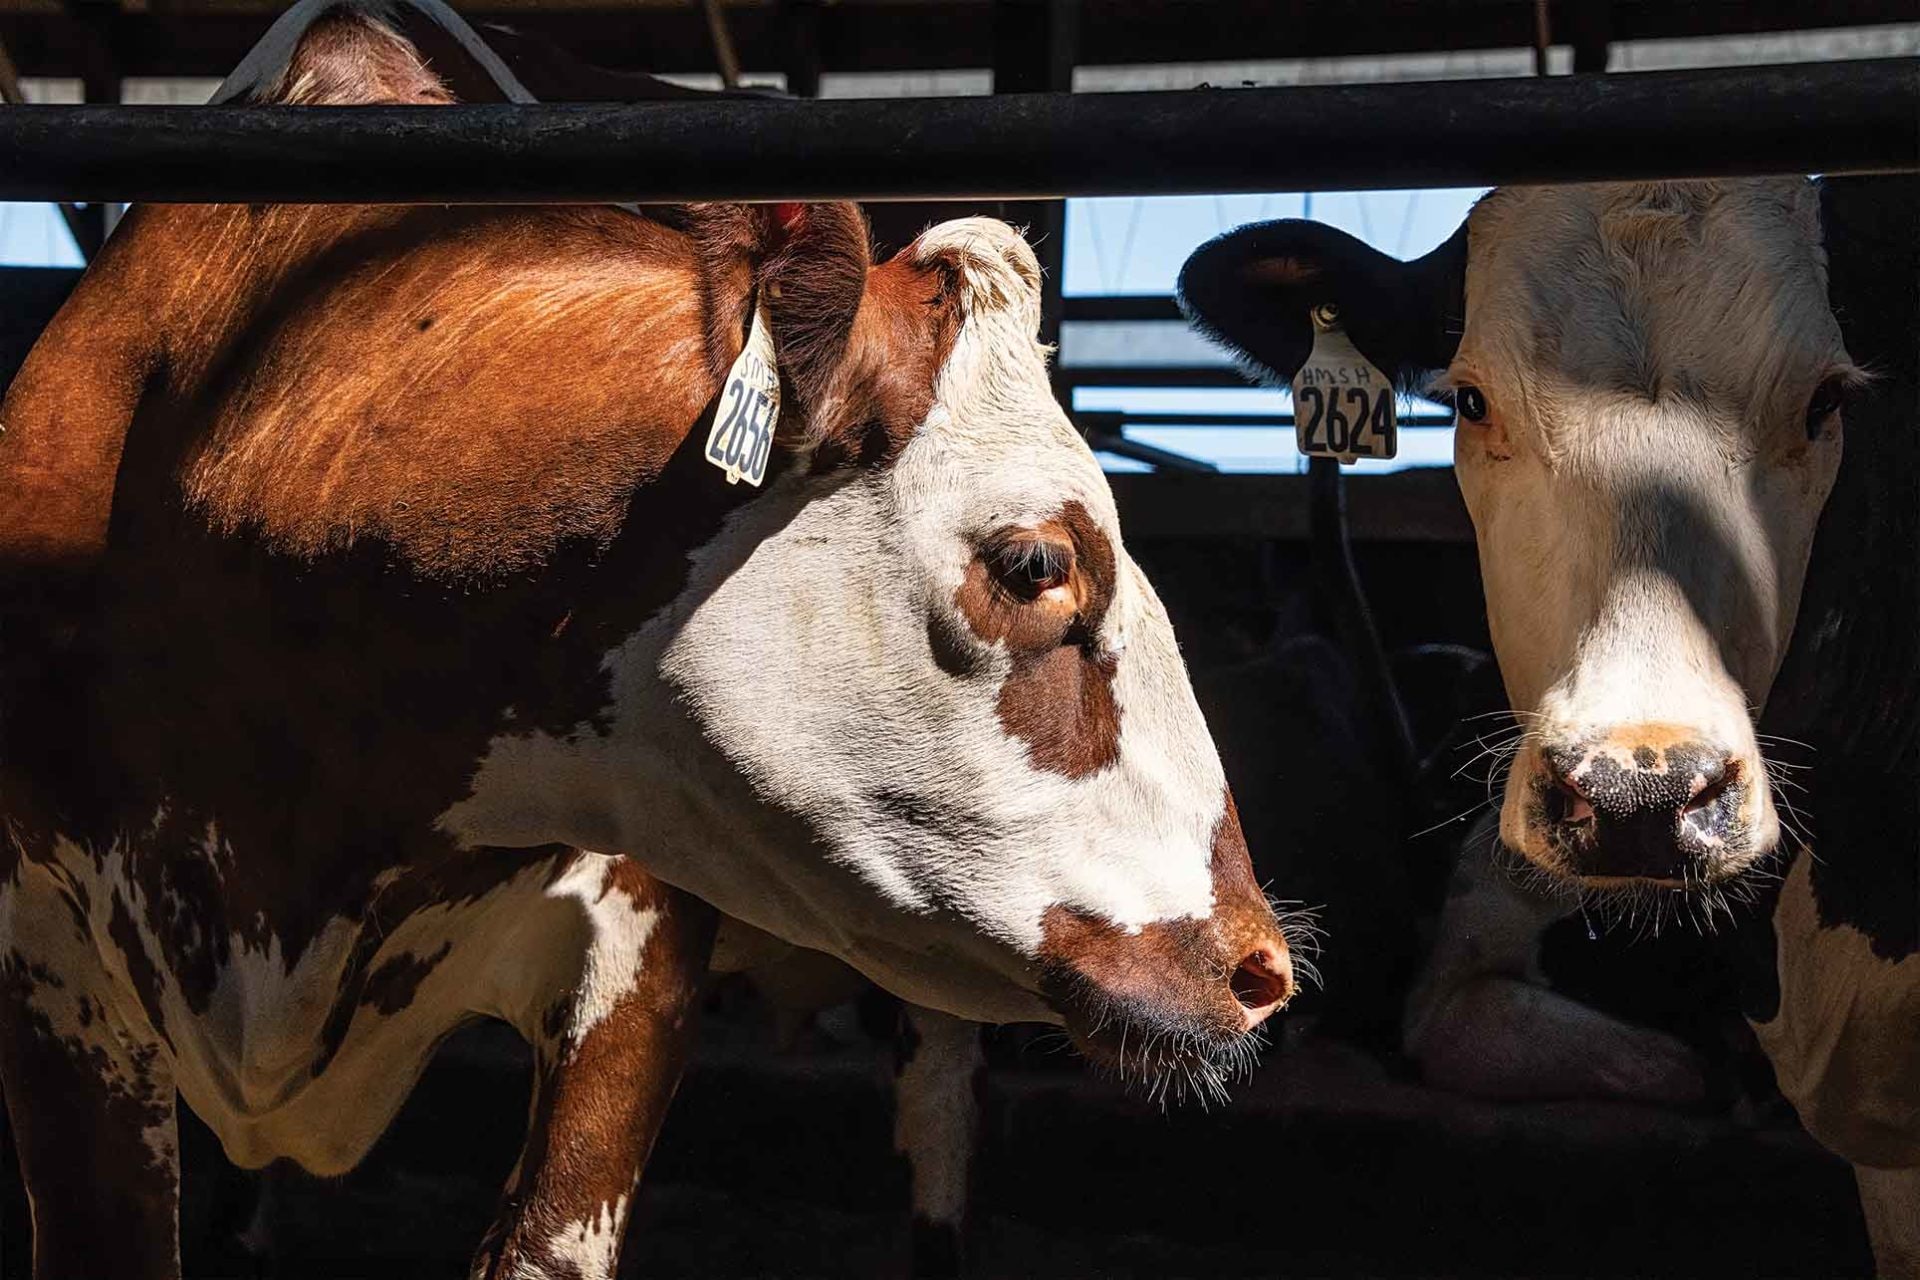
<point x="1342" y="405"/>
<point x="749" y="407"/>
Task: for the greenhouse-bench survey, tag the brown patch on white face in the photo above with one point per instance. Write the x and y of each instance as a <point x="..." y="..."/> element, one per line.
<point x="1217" y="976"/>
<point x="1044" y="591"/>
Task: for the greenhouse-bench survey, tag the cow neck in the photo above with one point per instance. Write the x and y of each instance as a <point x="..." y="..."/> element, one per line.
<point x="283" y="723"/>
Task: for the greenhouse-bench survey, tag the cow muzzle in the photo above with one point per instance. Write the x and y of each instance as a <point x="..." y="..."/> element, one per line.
<point x="1175" y="1006"/>
<point x="1655" y="804"/>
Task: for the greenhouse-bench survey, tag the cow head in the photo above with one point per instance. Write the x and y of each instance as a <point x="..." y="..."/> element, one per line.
<point x="927" y="644"/>
<point x="1648" y="382"/>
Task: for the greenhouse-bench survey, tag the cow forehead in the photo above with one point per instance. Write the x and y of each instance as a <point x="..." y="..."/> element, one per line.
<point x="1654" y="290"/>
<point x="996" y="449"/>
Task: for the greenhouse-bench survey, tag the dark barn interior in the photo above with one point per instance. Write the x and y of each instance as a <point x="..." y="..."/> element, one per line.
<point x="1336" y="1159"/>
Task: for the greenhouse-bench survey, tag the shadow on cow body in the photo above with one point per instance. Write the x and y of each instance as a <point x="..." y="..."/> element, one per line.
<point x="395" y="578"/>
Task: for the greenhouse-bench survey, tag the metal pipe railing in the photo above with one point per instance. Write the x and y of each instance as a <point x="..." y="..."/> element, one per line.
<point x="1843" y="117"/>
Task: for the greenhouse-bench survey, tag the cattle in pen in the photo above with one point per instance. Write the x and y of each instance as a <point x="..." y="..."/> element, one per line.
<point x="369" y="570"/>
<point x="1652" y="385"/>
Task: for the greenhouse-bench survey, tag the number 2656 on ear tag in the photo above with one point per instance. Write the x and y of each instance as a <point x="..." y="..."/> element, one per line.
<point x="1342" y="404"/>
<point x="749" y="408"/>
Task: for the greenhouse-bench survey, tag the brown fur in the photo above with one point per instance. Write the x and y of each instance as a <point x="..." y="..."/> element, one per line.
<point x="600" y="1097"/>
<point x="347" y="59"/>
<point x="1058" y="698"/>
<point x="382" y="484"/>
<point x="1134" y="969"/>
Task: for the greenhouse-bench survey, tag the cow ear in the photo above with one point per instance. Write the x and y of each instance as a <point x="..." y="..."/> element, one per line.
<point x="806" y="264"/>
<point x="812" y="279"/>
<point x="1254" y="291"/>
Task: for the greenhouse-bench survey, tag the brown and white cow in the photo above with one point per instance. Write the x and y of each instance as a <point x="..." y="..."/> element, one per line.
<point x="363" y="570"/>
<point x="1651" y="383"/>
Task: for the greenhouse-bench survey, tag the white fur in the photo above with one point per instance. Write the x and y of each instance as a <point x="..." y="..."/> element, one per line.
<point x="243" y="1063"/>
<point x="1646" y="500"/>
<point x="935" y="1114"/>
<point x="613" y="967"/>
<point x="801" y="649"/>
<point x="592" y="1247"/>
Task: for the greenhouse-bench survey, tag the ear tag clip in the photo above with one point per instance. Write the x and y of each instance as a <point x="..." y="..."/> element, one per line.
<point x="749" y="407"/>
<point x="1342" y="404"/>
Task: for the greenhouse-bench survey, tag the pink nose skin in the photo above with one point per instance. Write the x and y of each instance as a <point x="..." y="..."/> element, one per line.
<point x="1263" y="983"/>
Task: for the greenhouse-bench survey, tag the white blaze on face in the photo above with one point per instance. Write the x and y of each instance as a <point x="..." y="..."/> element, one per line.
<point x="1644" y="483"/>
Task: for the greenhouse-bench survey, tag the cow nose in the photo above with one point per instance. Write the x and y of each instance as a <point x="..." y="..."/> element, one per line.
<point x="1263" y="981"/>
<point x="1641" y="804"/>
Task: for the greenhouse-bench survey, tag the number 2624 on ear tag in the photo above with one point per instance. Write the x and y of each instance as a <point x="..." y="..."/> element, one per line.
<point x="749" y="408"/>
<point x="1342" y="405"/>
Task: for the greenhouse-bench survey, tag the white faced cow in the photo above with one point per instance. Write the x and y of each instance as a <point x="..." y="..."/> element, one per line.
<point x="1650" y="384"/>
<point x="364" y="567"/>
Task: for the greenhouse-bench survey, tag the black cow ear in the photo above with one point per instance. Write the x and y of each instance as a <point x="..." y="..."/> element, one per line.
<point x="1254" y="290"/>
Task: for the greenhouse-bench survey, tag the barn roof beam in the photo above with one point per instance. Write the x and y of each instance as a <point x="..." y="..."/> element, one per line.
<point x="188" y="39"/>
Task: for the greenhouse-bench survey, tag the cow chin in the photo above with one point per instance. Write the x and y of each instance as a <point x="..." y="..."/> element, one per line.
<point x="1166" y="1053"/>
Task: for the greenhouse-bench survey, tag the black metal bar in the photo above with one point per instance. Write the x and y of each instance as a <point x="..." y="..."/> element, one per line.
<point x="1098" y="375"/>
<point x="1033" y="52"/>
<point x="1215" y="420"/>
<point x="1120" y="446"/>
<point x="1853" y="117"/>
<point x="1119" y="306"/>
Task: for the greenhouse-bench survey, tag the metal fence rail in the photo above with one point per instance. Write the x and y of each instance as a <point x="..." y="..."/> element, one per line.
<point x="1850" y="117"/>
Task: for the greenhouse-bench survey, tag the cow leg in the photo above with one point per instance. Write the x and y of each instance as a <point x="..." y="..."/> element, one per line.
<point x="936" y="1119"/>
<point x="608" y="1051"/>
<point x="1482" y="1021"/>
<point x="1890" y="1198"/>
<point x="91" y="1101"/>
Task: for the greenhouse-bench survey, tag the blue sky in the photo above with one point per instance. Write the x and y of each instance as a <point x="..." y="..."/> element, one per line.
<point x="1120" y="245"/>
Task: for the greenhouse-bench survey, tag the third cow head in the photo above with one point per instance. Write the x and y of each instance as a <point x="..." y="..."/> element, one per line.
<point x="1648" y="382"/>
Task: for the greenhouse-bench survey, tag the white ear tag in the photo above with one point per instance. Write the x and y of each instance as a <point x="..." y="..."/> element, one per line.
<point x="749" y="408"/>
<point x="1342" y="405"/>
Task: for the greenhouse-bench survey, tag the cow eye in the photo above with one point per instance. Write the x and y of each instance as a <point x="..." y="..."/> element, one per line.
<point x="1827" y="399"/>
<point x="1471" y="402"/>
<point x="1030" y="567"/>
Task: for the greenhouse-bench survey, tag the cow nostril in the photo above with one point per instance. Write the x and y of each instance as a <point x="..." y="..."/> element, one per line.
<point x="1575" y="808"/>
<point x="1711" y="787"/>
<point x="1262" y="983"/>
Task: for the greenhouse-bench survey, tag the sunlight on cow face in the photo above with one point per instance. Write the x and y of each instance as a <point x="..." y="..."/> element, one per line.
<point x="951" y="671"/>
<point x="1648" y="392"/>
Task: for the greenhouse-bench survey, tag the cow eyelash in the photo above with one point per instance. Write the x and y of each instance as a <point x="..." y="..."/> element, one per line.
<point x="1028" y="568"/>
<point x="1828" y="399"/>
